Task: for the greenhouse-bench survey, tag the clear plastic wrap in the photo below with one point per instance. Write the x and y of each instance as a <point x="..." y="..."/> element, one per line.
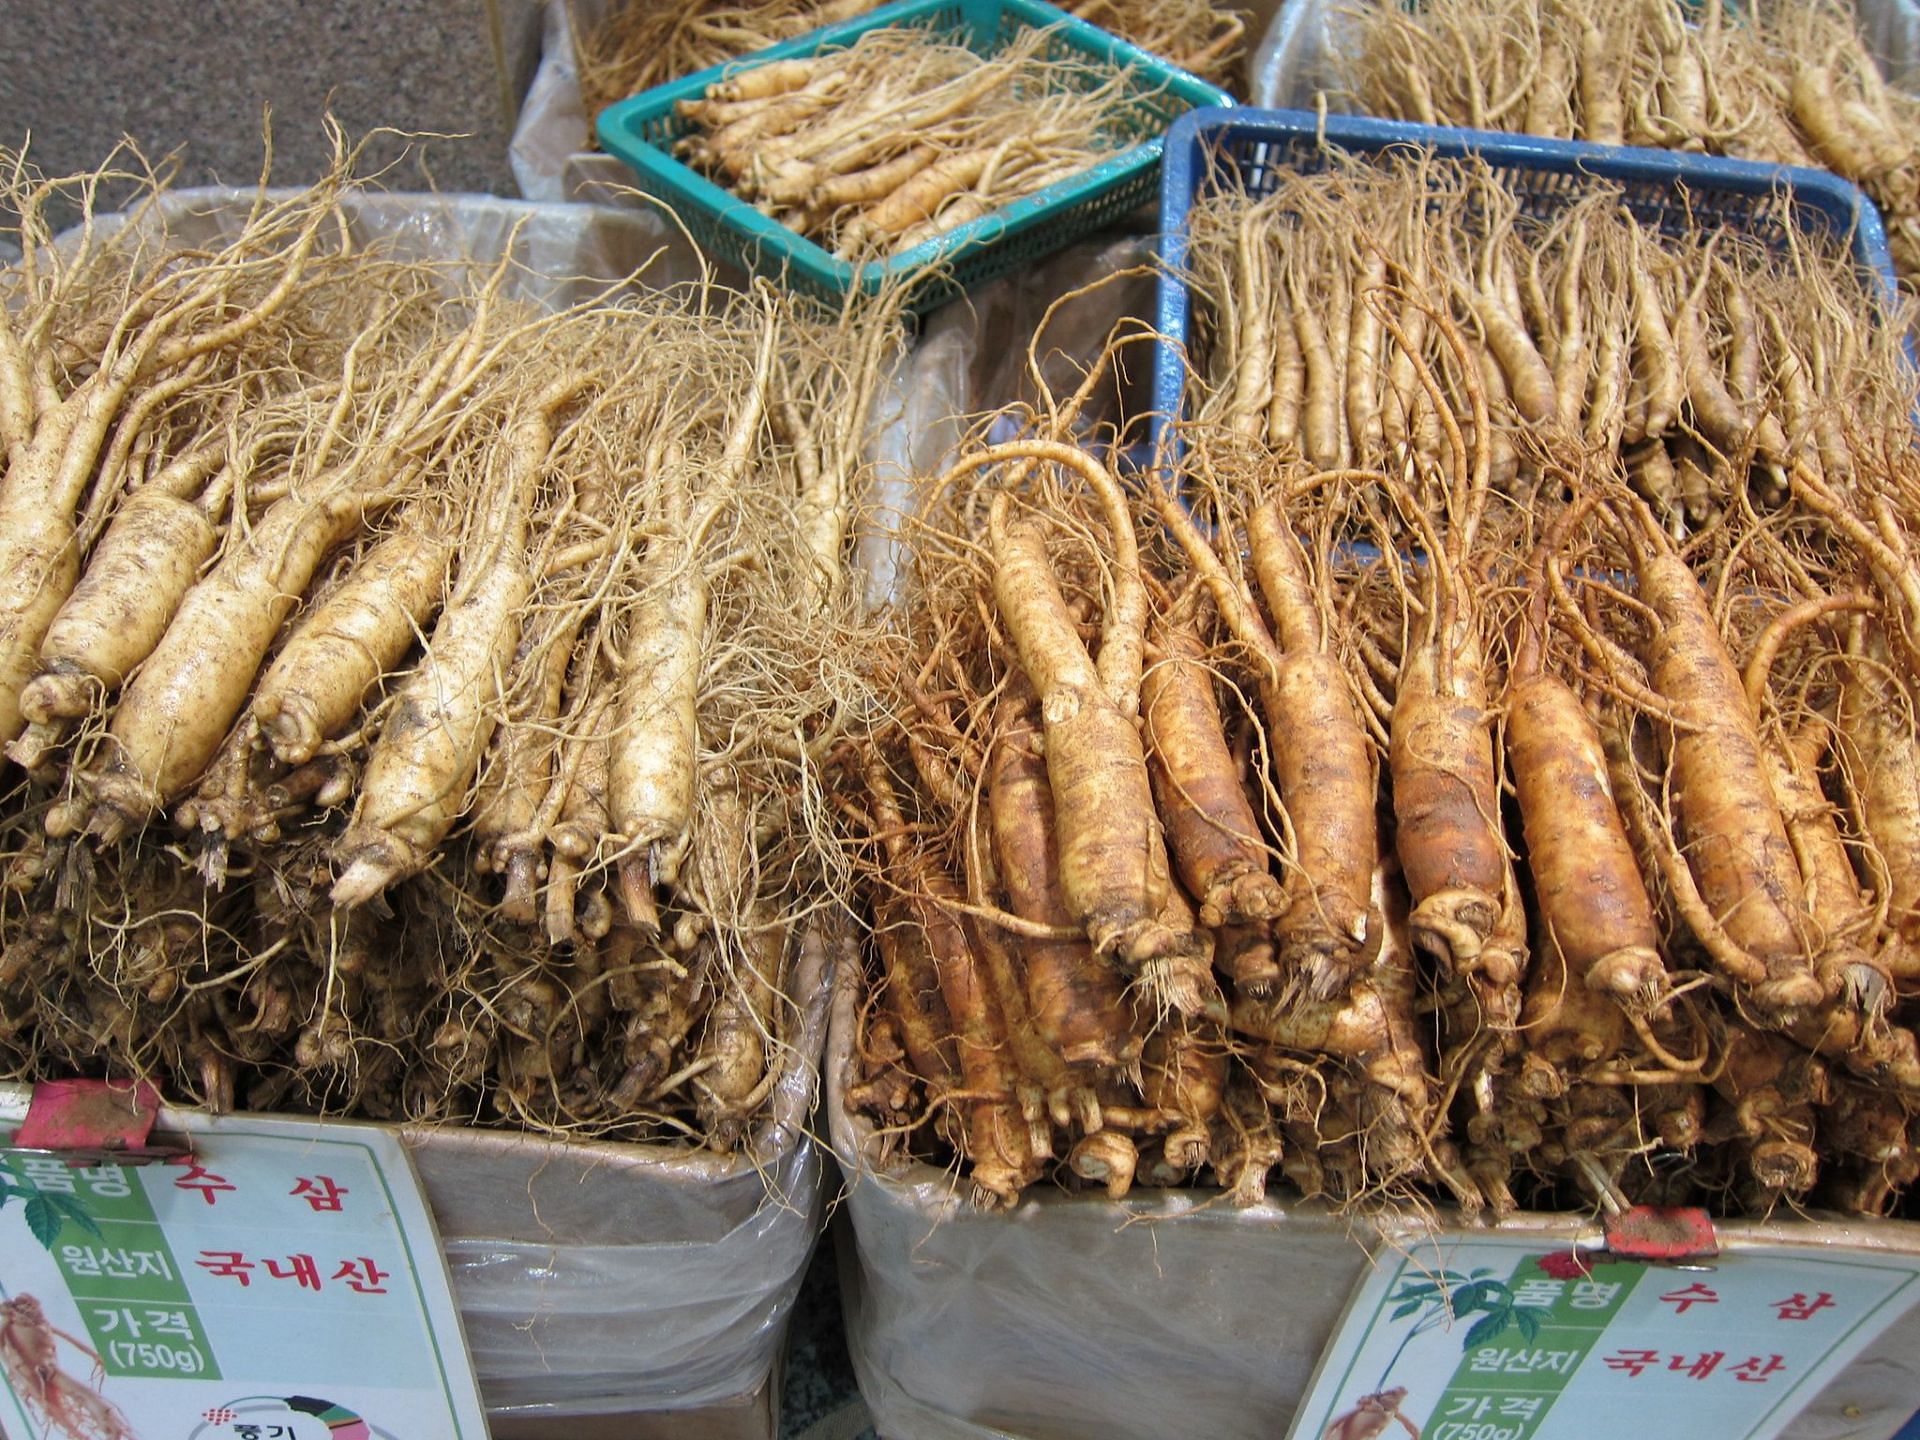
<point x="1892" y="28"/>
<point x="1297" y="57"/>
<point x="598" y="1278"/>
<point x="561" y="253"/>
<point x="553" y="121"/>
<point x="554" y="132"/>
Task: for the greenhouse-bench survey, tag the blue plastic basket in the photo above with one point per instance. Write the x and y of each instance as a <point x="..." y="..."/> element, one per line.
<point x="1243" y="149"/>
<point x="642" y="132"/>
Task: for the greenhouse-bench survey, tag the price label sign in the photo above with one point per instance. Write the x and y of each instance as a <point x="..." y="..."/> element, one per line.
<point x="284" y="1283"/>
<point x="1490" y="1339"/>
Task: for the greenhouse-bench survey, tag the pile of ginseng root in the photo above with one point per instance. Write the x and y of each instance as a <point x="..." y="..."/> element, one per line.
<point x="1789" y="82"/>
<point x="907" y="134"/>
<point x="412" y="696"/>
<point x="1406" y="794"/>
<point x="639" y="44"/>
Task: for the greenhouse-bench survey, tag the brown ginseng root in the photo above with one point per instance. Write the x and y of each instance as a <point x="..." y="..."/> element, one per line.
<point x="1372" y="1028"/>
<point x="1725" y="421"/>
<point x="1875" y="728"/>
<point x="1246" y="955"/>
<point x="740" y="1043"/>
<point x="514" y="793"/>
<point x="1567" y="1029"/>
<point x="1866" y="1134"/>
<point x="1480" y="1045"/>
<point x="1106" y="1157"/>
<point x="1210" y="826"/>
<point x="566" y="837"/>
<point x="1113" y="865"/>
<point x="1852" y="1027"/>
<point x="1659" y="383"/>
<point x="1050" y="1092"/>
<point x="913" y="1007"/>
<point x="1073" y="996"/>
<point x="421" y="766"/>
<point x="994" y="1133"/>
<point x="315" y="687"/>
<point x="1324" y="768"/>
<point x="1183" y="1072"/>
<point x="1049" y="1087"/>
<point x="1771" y="1088"/>
<point x="1587" y="1062"/>
<point x="140" y="569"/>
<point x="1529" y="380"/>
<point x="1737" y="883"/>
<point x="1594" y="908"/>
<point x="1322" y="761"/>
<point x="229" y="802"/>
<point x="575" y="903"/>
<point x="1440" y="753"/>
<point x="664" y="993"/>
<point x="655" y="721"/>
<point x="1446" y="795"/>
<point x="1246" y="1146"/>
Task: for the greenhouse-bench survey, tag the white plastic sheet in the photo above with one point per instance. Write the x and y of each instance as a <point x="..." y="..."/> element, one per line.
<point x="599" y="1278"/>
<point x="1892" y="28"/>
<point x="1298" y="57"/>
<point x="561" y="253"/>
<point x="553" y="122"/>
<point x="551" y="139"/>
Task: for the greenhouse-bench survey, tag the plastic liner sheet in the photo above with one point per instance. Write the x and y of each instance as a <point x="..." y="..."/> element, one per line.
<point x="561" y="254"/>
<point x="554" y="125"/>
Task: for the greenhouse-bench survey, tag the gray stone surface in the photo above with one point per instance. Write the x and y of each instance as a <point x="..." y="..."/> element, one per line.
<point x="196" y="74"/>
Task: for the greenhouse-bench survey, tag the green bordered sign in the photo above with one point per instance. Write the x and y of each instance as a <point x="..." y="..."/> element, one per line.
<point x="284" y="1284"/>
<point x="1490" y="1339"/>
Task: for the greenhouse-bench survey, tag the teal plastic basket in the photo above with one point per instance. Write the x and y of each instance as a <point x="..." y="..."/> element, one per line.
<point x="642" y="132"/>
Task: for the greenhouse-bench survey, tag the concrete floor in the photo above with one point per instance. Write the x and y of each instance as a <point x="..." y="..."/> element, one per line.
<point x="819" y="1399"/>
<point x="79" y="75"/>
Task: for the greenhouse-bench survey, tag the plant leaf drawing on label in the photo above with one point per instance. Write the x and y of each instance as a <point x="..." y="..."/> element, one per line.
<point x="1433" y="1303"/>
<point x="47" y="1212"/>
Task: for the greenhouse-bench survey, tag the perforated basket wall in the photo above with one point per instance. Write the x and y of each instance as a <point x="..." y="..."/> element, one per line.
<point x="1211" y="150"/>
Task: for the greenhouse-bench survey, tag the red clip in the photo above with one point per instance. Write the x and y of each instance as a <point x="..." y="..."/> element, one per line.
<point x="1665" y="1233"/>
<point x="94" y="1122"/>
